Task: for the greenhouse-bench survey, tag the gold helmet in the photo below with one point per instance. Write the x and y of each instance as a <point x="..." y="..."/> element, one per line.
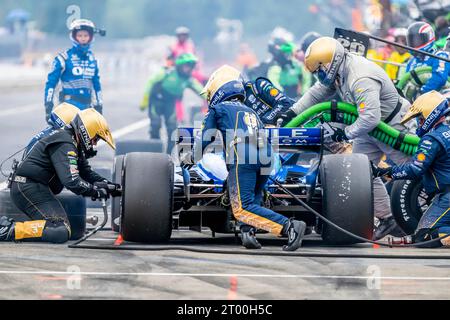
<point x="90" y="126"/>
<point x="430" y="107"/>
<point x="225" y="83"/>
<point x="63" y="115"/>
<point x="323" y="58"/>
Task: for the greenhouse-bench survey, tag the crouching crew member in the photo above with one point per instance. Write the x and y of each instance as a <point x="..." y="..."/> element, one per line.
<point x="431" y="164"/>
<point x="57" y="161"/>
<point x="246" y="154"/>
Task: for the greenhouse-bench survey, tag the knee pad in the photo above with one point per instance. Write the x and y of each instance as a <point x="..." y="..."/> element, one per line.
<point x="57" y="233"/>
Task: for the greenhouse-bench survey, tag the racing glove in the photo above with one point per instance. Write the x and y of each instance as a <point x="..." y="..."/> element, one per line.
<point x="113" y="189"/>
<point x="335" y="134"/>
<point x="287" y="117"/>
<point x="48" y="111"/>
<point x="378" y="172"/>
<point x="99" y="193"/>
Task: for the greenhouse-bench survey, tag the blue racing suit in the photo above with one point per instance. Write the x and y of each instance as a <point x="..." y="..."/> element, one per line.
<point x="249" y="160"/>
<point x="77" y="69"/>
<point x="266" y="100"/>
<point x="440" y="70"/>
<point x="432" y="164"/>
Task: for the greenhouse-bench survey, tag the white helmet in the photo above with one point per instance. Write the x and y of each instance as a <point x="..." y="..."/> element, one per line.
<point x="82" y="24"/>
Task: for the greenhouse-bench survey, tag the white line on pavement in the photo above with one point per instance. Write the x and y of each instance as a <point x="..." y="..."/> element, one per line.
<point x="14" y="111"/>
<point x="127" y="130"/>
<point x="219" y="275"/>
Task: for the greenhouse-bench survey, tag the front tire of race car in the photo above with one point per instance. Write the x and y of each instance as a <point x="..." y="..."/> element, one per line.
<point x="347" y="197"/>
<point x="408" y="202"/>
<point x="147" y="205"/>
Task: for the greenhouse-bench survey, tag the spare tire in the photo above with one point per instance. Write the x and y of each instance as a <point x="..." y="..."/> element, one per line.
<point x="147" y="204"/>
<point x="347" y="191"/>
<point x="116" y="202"/>
<point x="75" y="207"/>
<point x="408" y="202"/>
<point x="129" y="146"/>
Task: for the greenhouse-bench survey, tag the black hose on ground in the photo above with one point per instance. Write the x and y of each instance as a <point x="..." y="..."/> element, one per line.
<point x="331" y="223"/>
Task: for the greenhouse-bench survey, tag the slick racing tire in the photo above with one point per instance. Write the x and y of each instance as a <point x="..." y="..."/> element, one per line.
<point x="408" y="202"/>
<point x="75" y="207"/>
<point x="347" y="197"/>
<point x="116" y="202"/>
<point x="105" y="173"/>
<point x="147" y="205"/>
<point x="129" y="146"/>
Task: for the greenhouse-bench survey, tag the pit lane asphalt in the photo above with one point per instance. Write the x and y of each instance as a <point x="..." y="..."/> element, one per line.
<point x="43" y="271"/>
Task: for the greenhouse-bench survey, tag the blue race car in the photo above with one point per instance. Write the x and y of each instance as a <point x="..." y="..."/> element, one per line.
<point x="159" y="196"/>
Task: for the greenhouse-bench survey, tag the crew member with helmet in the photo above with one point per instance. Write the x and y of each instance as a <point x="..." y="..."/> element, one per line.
<point x="286" y="72"/>
<point x="241" y="130"/>
<point x="78" y="71"/>
<point x="307" y="78"/>
<point x="364" y="84"/>
<point x="61" y="116"/>
<point x="183" y="45"/>
<point x="282" y="69"/>
<point x="57" y="161"/>
<point x="431" y="163"/>
<point x="421" y="37"/>
<point x="164" y="89"/>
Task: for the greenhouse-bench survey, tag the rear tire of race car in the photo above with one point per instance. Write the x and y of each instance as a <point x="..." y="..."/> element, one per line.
<point x="147" y="205"/>
<point x="130" y="146"/>
<point x="116" y="202"/>
<point x="408" y="203"/>
<point x="347" y="191"/>
<point x="75" y="207"/>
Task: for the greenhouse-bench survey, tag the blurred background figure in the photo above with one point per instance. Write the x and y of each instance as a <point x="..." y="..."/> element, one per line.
<point x="184" y="44"/>
<point x="246" y="58"/>
<point x="162" y="92"/>
<point x="78" y="71"/>
<point x="398" y="56"/>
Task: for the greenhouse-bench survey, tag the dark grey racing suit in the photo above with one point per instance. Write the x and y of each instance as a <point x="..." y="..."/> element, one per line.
<point x="364" y="84"/>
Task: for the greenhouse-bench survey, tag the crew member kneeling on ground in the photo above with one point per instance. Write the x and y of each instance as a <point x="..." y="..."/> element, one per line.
<point x="61" y="116"/>
<point x="56" y="161"/>
<point x="249" y="159"/>
<point x="431" y="163"/>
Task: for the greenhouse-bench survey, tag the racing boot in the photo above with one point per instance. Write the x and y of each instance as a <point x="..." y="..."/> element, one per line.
<point x="6" y="229"/>
<point x="248" y="236"/>
<point x="387" y="226"/>
<point x="295" y="231"/>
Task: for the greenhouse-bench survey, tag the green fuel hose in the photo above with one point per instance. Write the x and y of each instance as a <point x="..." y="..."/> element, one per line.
<point x="347" y="114"/>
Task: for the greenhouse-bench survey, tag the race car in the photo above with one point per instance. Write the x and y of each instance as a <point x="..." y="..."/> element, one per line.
<point x="159" y="196"/>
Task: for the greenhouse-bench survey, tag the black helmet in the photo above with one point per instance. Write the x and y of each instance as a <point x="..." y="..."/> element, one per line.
<point x="281" y="50"/>
<point x="421" y="36"/>
<point x="307" y="39"/>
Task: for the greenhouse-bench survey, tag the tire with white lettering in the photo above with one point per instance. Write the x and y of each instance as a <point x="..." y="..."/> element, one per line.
<point x="128" y="146"/>
<point x="75" y="207"/>
<point x="116" y="202"/>
<point x="347" y="191"/>
<point x="147" y="203"/>
<point x="408" y="203"/>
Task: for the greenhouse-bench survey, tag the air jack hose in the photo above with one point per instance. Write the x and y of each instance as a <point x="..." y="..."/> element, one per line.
<point x="347" y="114"/>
